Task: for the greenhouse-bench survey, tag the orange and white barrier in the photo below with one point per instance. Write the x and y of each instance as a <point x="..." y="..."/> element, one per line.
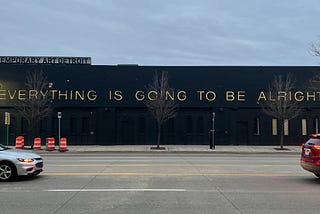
<point x="50" y="144"/>
<point x="37" y="143"/>
<point x="20" y="142"/>
<point x="63" y="145"/>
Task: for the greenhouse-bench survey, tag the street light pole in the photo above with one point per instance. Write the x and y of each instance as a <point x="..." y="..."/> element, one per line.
<point x="212" y="141"/>
<point x="59" y="118"/>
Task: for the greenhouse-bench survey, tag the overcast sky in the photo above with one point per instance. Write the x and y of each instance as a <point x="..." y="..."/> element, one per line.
<point x="163" y="32"/>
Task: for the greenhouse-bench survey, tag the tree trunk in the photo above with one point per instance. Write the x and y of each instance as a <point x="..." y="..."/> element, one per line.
<point x="281" y="133"/>
<point x="159" y="135"/>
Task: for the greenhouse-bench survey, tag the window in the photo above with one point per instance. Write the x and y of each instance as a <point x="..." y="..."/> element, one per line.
<point x="256" y="124"/>
<point x="286" y="127"/>
<point x="316" y="125"/>
<point x="304" y="126"/>
<point x="274" y="126"/>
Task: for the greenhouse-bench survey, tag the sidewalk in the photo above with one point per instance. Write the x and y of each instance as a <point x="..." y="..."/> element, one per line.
<point x="183" y="148"/>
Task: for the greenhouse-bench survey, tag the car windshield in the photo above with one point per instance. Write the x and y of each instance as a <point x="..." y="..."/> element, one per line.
<point x="313" y="141"/>
<point x="2" y="147"/>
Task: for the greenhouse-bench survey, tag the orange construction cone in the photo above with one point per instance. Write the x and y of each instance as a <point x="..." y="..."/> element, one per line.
<point x="63" y="145"/>
<point x="19" y="142"/>
<point x="50" y="144"/>
<point x="37" y="143"/>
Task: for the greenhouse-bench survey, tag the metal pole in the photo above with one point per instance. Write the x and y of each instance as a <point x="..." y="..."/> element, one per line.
<point x="7" y="135"/>
<point x="213" y="136"/>
<point x="59" y="118"/>
<point x="212" y="142"/>
<point x="59" y="131"/>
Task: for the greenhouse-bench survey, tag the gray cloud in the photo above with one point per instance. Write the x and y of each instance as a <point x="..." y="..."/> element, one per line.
<point x="203" y="32"/>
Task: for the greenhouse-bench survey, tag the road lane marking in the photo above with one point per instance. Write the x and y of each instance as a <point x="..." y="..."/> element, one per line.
<point x="117" y="190"/>
<point x="170" y="174"/>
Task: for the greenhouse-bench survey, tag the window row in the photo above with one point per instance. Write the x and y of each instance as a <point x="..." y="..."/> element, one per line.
<point x="274" y="124"/>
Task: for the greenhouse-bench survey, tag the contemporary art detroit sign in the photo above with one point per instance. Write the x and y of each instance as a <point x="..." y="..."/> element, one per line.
<point x="45" y="60"/>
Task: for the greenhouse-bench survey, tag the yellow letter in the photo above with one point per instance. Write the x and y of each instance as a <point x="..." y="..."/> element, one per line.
<point x="262" y="96"/>
<point x="229" y="96"/>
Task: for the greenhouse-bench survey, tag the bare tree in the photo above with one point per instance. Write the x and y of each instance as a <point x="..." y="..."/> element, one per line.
<point x="35" y="106"/>
<point x="282" y="107"/>
<point x="315" y="48"/>
<point x="161" y="106"/>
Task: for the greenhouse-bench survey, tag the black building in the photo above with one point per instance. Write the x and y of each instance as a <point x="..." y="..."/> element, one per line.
<point x="104" y="105"/>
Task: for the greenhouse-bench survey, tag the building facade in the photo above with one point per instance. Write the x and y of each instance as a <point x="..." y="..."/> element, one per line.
<point x="105" y="105"/>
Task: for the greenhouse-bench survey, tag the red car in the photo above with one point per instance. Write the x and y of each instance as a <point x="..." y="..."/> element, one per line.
<point x="310" y="155"/>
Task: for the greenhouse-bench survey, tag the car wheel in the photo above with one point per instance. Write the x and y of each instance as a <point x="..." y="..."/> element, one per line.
<point x="318" y="175"/>
<point x="7" y="171"/>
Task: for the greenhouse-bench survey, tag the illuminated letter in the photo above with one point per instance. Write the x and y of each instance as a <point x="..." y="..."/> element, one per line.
<point x="33" y="93"/>
<point x="152" y="92"/>
<point x="211" y="96"/>
<point x="65" y="95"/>
<point x="170" y="95"/>
<point x="270" y="96"/>
<point x="241" y="96"/>
<point x="282" y="94"/>
<point x="81" y="96"/>
<point x="2" y="94"/>
<point x="182" y="95"/>
<point x="139" y="95"/>
<point x="313" y="96"/>
<point x="22" y="94"/>
<point x="118" y="95"/>
<point x="262" y="96"/>
<point x="53" y="93"/>
<point x="200" y="94"/>
<point x="12" y="96"/>
<point x="92" y="95"/>
<point x="300" y="98"/>
<point x="44" y="94"/>
<point x="229" y="96"/>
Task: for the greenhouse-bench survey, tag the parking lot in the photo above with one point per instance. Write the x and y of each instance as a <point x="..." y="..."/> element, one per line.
<point x="107" y="182"/>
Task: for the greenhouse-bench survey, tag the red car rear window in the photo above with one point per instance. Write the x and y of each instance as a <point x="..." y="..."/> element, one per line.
<point x="313" y="141"/>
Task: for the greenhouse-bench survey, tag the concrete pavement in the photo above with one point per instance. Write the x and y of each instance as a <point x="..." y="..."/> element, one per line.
<point x="182" y="148"/>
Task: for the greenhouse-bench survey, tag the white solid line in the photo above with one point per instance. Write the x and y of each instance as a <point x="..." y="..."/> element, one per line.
<point x="117" y="190"/>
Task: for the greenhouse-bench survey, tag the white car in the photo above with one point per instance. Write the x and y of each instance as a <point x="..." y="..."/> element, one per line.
<point x="15" y="163"/>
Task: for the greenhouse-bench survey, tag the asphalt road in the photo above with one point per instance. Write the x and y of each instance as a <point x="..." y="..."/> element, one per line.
<point x="164" y="183"/>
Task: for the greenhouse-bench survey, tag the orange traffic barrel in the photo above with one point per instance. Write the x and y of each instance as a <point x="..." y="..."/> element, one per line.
<point x="20" y="142"/>
<point x="37" y="143"/>
<point x="63" y="145"/>
<point x="50" y="144"/>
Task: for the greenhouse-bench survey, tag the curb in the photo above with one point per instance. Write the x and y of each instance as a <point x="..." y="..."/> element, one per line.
<point x="294" y="150"/>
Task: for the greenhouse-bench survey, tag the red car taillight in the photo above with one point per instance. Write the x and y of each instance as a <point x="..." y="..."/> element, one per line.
<point x="315" y="150"/>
